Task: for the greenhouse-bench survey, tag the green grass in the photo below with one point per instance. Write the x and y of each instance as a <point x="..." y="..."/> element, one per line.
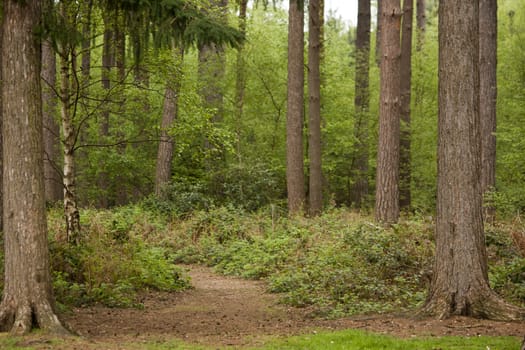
<point x="341" y="340"/>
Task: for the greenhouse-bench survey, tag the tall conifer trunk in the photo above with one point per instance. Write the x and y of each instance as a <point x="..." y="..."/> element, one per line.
<point x="387" y="176"/>
<point x="294" y="118"/>
<point x="27" y="299"/>
<point x="405" y="162"/>
<point x="240" y="84"/>
<point x="315" y="192"/>
<point x="359" y="169"/>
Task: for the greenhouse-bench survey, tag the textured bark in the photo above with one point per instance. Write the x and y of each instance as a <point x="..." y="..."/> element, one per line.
<point x="387" y="177"/>
<point x="27" y="296"/>
<point x="1" y="120"/>
<point x="294" y="118"/>
<point x="87" y="10"/>
<point x="488" y="96"/>
<point x="460" y="280"/>
<point x="240" y="83"/>
<point x="169" y="116"/>
<point x="359" y="171"/>
<point x="405" y="164"/>
<point x="51" y="129"/>
<point x="421" y="19"/>
<point x="315" y="192"/>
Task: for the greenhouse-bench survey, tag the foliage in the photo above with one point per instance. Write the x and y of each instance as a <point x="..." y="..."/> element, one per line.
<point x="112" y="264"/>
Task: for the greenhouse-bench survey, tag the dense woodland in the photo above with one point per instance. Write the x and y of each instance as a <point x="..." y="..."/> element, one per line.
<point x="237" y="133"/>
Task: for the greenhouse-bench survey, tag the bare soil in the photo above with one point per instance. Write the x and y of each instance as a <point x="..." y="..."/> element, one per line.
<point x="227" y="311"/>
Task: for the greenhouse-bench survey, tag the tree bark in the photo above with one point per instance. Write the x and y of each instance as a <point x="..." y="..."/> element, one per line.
<point x="294" y="121"/>
<point x="359" y="171"/>
<point x="51" y="129"/>
<point x="240" y="84"/>
<point x="488" y="97"/>
<point x="87" y="10"/>
<point x="405" y="162"/>
<point x="169" y="116"/>
<point x="387" y="176"/>
<point x="460" y="280"/>
<point x="27" y="296"/>
<point x="1" y="119"/>
<point x="421" y="19"/>
<point x="314" y="90"/>
<point x="379" y="25"/>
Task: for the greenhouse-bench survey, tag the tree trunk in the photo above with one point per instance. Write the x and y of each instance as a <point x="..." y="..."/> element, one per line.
<point x="1" y="119"/>
<point x="240" y="84"/>
<point x="51" y="129"/>
<point x="169" y="116"/>
<point x="314" y="89"/>
<point x="387" y="177"/>
<point x="460" y="281"/>
<point x="27" y="296"/>
<point x="294" y="121"/>
<point x="87" y="10"/>
<point x="421" y="19"/>
<point x="379" y="25"/>
<point x="359" y="171"/>
<point x="488" y="96"/>
<point x="405" y="163"/>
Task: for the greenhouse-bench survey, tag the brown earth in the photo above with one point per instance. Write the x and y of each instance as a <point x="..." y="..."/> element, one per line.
<point x="223" y="311"/>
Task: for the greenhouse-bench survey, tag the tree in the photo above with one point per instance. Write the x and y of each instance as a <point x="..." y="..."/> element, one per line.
<point x="51" y="129"/>
<point x="315" y="24"/>
<point x="488" y="96"/>
<point x="379" y="25"/>
<point x="27" y="297"/>
<point x="405" y="166"/>
<point x="387" y="176"/>
<point x="421" y="19"/>
<point x="294" y="116"/>
<point x="240" y="82"/>
<point x="460" y="283"/>
<point x="359" y="169"/>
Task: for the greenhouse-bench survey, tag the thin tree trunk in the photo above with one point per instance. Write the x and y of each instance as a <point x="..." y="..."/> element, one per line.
<point x="405" y="163"/>
<point x="314" y="110"/>
<point x="379" y="25"/>
<point x="488" y="97"/>
<point x="240" y="85"/>
<point x="169" y="116"/>
<point x="27" y="296"/>
<point x="294" y="121"/>
<point x="87" y="9"/>
<point x="359" y="171"/>
<point x="1" y="119"/>
<point x="460" y="283"/>
<point x="387" y="177"/>
<point x="421" y="19"/>
<point x="51" y="129"/>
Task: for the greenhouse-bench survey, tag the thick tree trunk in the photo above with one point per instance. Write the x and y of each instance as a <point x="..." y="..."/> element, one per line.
<point x="421" y="19"/>
<point x="240" y="84"/>
<point x="27" y="296"/>
<point x="51" y="132"/>
<point x="294" y="120"/>
<point x="314" y="90"/>
<point x="71" y="213"/>
<point x="405" y="162"/>
<point x="460" y="281"/>
<point x="359" y="171"/>
<point x="169" y="116"/>
<point x="387" y="177"/>
<point x="488" y="96"/>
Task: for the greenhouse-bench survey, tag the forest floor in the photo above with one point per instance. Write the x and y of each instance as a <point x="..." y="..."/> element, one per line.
<point x="222" y="311"/>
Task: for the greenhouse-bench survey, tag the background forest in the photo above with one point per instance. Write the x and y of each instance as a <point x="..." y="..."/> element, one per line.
<point x="165" y="143"/>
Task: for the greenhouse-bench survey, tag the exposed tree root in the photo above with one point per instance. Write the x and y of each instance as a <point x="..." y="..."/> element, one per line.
<point x="484" y="305"/>
<point x="20" y="318"/>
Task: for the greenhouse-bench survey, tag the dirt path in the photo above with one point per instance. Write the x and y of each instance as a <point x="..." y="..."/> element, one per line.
<point x="223" y="310"/>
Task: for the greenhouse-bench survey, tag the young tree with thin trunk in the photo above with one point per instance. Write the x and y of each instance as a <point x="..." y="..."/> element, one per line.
<point x="460" y="283"/>
<point x="379" y="25"/>
<point x="315" y="23"/>
<point x="294" y="118"/>
<point x="27" y="296"/>
<point x="359" y="191"/>
<point x="421" y="20"/>
<point x="51" y="129"/>
<point x="169" y="116"/>
<point x="405" y="162"/>
<point x="387" y="175"/>
<point x="240" y="83"/>
<point x="488" y="95"/>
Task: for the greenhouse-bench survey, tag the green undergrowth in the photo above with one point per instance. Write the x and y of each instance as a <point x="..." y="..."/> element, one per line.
<point x="113" y="263"/>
